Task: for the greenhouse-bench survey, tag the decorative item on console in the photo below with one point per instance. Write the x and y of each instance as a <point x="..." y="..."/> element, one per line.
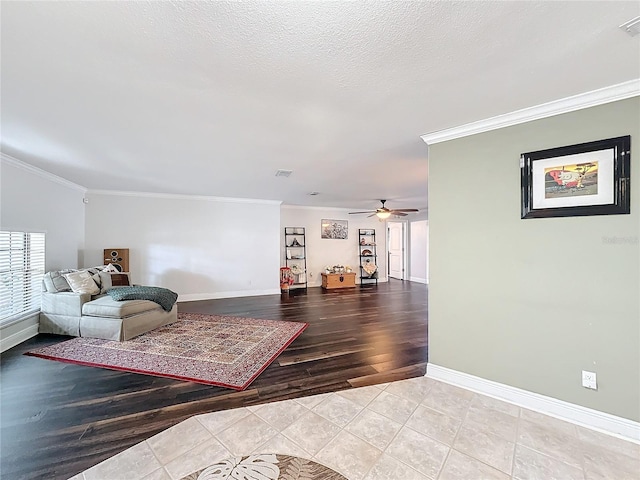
<point x="337" y="269"/>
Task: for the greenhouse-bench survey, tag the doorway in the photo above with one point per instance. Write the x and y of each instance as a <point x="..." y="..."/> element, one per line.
<point x="396" y="248"/>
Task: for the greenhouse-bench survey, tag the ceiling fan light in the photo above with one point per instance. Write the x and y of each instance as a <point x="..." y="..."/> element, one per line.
<point x="383" y="215"/>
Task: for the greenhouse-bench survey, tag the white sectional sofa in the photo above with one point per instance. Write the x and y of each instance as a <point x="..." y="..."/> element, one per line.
<point x="66" y="312"/>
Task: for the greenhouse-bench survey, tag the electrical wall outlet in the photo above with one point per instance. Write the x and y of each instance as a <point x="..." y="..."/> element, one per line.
<point x="589" y="380"/>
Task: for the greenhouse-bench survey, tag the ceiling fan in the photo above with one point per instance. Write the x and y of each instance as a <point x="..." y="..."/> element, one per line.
<point x="384" y="212"/>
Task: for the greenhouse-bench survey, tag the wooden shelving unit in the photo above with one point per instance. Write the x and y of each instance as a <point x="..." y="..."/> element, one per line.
<point x="368" y="256"/>
<point x="295" y="254"/>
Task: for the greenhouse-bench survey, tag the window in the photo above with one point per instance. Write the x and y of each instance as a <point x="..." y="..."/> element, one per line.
<point x="21" y="271"/>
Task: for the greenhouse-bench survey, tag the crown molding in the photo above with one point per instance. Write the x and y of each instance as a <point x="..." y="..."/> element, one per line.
<point x="303" y="207"/>
<point x="14" y="162"/>
<point x="594" y="98"/>
<point x="177" y="196"/>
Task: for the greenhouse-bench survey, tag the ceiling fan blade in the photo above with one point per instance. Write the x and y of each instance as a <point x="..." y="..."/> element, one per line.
<point x="372" y="215"/>
<point x="383" y="209"/>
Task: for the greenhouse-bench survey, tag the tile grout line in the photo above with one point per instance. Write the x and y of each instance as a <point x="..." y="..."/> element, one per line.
<point x="582" y="467"/>
<point x="515" y="445"/>
<point x="581" y="443"/>
<point x="361" y="413"/>
<point x="403" y="425"/>
<point x="382" y="451"/>
<point x="451" y="448"/>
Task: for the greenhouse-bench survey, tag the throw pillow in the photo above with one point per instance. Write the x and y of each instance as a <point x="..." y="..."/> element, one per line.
<point x="110" y="280"/>
<point x="81" y="282"/>
<point x="55" y="282"/>
<point x="110" y="268"/>
<point x="95" y="274"/>
<point x="96" y="278"/>
<point x="119" y="280"/>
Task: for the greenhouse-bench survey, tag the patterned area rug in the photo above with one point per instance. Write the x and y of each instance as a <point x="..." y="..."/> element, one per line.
<point x="265" y="467"/>
<point x="215" y="350"/>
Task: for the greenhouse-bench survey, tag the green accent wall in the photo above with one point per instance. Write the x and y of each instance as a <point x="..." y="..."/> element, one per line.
<point x="531" y="303"/>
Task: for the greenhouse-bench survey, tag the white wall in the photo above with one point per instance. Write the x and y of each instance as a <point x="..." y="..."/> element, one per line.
<point x="36" y="201"/>
<point x="32" y="200"/>
<point x="199" y="247"/>
<point x="324" y="251"/>
<point x="419" y="235"/>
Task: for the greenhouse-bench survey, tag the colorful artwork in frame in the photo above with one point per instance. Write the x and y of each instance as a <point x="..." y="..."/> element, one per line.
<point x="571" y="180"/>
<point x="585" y="179"/>
<point x="336" y="229"/>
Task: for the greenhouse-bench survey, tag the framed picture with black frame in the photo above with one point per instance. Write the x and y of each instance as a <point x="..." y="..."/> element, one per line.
<point x="590" y="178"/>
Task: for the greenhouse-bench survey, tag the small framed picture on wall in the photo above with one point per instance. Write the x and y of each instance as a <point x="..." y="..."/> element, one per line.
<point x="335" y="229"/>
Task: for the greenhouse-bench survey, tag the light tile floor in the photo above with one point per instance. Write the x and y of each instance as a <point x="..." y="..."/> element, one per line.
<point x="413" y="429"/>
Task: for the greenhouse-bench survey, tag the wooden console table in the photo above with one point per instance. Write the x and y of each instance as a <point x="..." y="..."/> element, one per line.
<point x="338" y="280"/>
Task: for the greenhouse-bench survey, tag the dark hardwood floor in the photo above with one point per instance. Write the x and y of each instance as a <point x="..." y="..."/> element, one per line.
<point x="59" y="419"/>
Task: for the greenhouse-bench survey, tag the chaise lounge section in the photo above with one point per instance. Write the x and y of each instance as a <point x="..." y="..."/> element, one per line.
<point x="66" y="312"/>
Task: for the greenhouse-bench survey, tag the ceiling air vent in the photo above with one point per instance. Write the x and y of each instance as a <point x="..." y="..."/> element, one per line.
<point x="283" y="173"/>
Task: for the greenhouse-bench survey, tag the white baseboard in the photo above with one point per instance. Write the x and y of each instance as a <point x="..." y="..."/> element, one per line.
<point x="579" y="415"/>
<point x="193" y="297"/>
<point x="418" y="280"/>
<point x="12" y="340"/>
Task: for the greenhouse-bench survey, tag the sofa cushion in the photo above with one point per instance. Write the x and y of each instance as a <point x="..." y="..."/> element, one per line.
<point x="108" y="307"/>
<point x="54" y="281"/>
<point x="162" y="296"/>
<point x="82" y="282"/>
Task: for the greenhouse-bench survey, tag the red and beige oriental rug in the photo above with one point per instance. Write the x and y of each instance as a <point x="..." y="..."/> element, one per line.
<point x="211" y="349"/>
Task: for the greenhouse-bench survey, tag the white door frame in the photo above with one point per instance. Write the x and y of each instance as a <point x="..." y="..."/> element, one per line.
<point x="403" y="257"/>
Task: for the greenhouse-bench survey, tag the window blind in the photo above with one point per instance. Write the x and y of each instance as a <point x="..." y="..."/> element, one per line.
<point x="21" y="271"/>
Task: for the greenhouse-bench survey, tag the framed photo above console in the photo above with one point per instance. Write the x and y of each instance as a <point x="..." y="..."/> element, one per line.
<point x="336" y="229"/>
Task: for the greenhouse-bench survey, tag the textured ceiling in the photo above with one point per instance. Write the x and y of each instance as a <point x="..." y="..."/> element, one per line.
<point x="211" y="98"/>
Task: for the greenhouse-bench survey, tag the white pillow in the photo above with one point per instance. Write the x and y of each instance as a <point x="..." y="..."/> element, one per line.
<point x="82" y="282"/>
<point x="110" y="268"/>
